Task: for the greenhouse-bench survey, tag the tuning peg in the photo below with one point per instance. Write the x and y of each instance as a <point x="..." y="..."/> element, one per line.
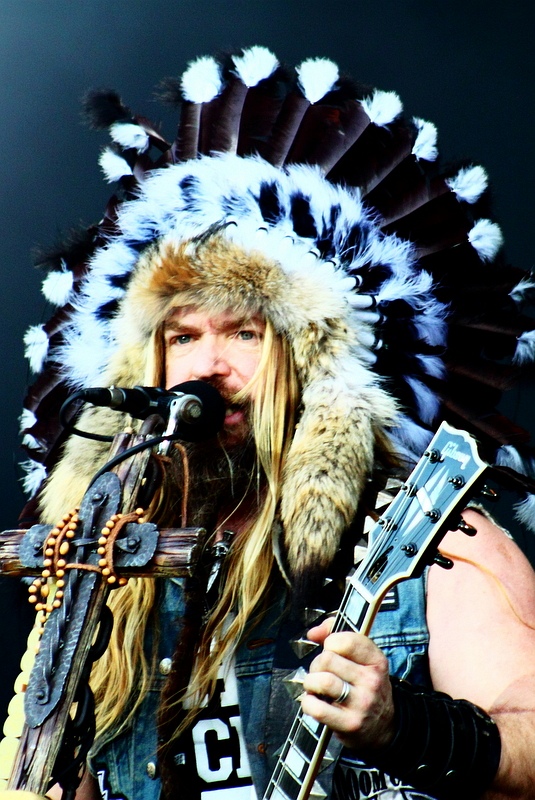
<point x="466" y="528"/>
<point x="433" y="455"/>
<point x="442" y="561"/>
<point x="302" y="647"/>
<point x="490" y="494"/>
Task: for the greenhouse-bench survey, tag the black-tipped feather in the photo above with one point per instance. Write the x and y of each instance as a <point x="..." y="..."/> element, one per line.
<point x="102" y="107"/>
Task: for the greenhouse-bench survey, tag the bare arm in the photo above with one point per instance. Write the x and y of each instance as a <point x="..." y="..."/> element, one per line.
<point x="482" y="643"/>
<point x="482" y="648"/>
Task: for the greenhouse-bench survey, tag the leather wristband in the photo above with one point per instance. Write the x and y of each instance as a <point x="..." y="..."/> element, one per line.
<point x="447" y="748"/>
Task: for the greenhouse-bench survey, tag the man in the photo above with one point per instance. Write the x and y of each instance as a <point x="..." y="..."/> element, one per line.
<point x="283" y="290"/>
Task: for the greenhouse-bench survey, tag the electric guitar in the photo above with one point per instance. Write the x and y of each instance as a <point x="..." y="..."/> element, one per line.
<point x="403" y="542"/>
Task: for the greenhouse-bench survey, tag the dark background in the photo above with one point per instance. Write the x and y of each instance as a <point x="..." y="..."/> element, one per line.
<point x="467" y="66"/>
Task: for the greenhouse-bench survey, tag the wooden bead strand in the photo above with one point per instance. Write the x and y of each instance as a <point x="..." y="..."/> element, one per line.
<point x="42" y="594"/>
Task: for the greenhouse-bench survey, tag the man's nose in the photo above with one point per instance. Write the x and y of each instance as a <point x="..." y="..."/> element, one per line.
<point x="211" y="360"/>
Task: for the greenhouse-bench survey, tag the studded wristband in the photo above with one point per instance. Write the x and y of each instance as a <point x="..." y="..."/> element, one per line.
<point x="447" y="748"/>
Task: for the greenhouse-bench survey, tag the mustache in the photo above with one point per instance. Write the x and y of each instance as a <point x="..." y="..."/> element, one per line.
<point x="229" y="394"/>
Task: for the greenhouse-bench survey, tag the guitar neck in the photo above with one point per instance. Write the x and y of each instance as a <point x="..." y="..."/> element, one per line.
<point x="406" y="540"/>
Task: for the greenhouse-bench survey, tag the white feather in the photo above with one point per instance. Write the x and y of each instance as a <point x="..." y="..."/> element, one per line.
<point x="27" y="419"/>
<point x="113" y="166"/>
<point x="317" y="77"/>
<point x="469" y="183"/>
<point x="525" y="348"/>
<point x="35" y="475"/>
<point x="365" y="356"/>
<point x="129" y="135"/>
<point x="201" y="82"/>
<point x="432" y="365"/>
<point x="382" y="107"/>
<point x="425" y="400"/>
<point x="86" y="350"/>
<point x="508" y="456"/>
<point x="361" y="300"/>
<point x="425" y="145"/>
<point x="256" y="64"/>
<point x="525" y="511"/>
<point x="523" y="290"/>
<point x="366" y="337"/>
<point x="30" y="441"/>
<point x="411" y="438"/>
<point x="57" y="287"/>
<point x="36" y="349"/>
<point x="486" y="238"/>
<point x="365" y="317"/>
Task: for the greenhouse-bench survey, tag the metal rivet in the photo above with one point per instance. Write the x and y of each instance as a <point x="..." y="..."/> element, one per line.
<point x="165" y="666"/>
<point x="152" y="770"/>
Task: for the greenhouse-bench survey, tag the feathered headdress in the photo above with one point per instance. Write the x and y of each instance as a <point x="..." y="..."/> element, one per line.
<point x="333" y="218"/>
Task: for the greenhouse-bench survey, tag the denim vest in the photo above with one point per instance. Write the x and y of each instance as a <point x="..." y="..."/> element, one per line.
<point x="126" y="766"/>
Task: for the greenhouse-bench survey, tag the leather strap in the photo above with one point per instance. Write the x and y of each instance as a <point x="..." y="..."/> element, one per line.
<point x="447" y="748"/>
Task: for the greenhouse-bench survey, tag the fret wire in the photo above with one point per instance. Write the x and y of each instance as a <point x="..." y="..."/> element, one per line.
<point x="287" y="783"/>
<point x="298" y="723"/>
<point x="300" y="731"/>
<point x="351" y="597"/>
<point x="305" y="742"/>
<point x="279" y="793"/>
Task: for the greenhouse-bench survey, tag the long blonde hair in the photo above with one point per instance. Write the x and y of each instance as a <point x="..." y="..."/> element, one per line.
<point x="121" y="678"/>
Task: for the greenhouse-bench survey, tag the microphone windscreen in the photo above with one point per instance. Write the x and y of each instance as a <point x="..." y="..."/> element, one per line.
<point x="212" y="417"/>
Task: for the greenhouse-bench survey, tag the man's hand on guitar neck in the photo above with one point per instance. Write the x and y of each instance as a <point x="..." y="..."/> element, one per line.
<point x="350" y="662"/>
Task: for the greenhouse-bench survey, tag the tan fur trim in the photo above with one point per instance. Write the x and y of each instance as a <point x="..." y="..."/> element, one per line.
<point x="217" y="274"/>
<point x="330" y="459"/>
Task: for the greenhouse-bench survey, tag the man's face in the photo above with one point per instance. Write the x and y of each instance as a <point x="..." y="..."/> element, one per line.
<point x="222" y="349"/>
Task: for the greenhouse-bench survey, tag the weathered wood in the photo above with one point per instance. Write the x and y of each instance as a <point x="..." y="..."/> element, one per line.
<point x="39" y="747"/>
<point x="177" y="554"/>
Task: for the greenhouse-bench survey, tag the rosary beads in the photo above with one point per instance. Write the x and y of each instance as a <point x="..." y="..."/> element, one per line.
<point x="47" y="595"/>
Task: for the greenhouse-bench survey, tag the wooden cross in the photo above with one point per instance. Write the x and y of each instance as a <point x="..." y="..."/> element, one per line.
<point x="64" y="657"/>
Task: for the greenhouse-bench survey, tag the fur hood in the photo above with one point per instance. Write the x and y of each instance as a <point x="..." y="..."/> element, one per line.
<point x="248" y="266"/>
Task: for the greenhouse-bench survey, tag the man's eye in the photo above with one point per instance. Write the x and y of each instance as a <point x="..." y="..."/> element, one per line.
<point x="248" y="336"/>
<point x="180" y="338"/>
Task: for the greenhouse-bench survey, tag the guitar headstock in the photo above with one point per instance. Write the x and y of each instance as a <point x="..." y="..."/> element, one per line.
<point x="405" y="540"/>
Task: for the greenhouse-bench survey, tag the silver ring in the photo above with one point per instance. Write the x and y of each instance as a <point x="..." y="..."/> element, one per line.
<point x="344" y="694"/>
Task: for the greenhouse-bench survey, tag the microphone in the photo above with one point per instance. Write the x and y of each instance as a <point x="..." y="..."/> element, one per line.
<point x="198" y="408"/>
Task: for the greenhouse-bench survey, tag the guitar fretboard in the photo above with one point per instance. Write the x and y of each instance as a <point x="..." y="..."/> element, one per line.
<point x="307" y="740"/>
